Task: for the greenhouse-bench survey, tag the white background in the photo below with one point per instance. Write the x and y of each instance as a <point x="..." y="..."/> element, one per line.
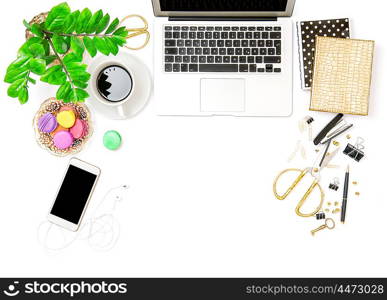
<point x="201" y="201"/>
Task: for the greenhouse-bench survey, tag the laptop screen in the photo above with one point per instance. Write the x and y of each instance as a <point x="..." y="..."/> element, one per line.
<point x="224" y="5"/>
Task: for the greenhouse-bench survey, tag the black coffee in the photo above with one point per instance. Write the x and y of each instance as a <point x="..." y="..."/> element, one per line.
<point x="114" y="83"/>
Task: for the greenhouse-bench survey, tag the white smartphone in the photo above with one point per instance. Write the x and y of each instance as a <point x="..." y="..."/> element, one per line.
<point x="74" y="194"/>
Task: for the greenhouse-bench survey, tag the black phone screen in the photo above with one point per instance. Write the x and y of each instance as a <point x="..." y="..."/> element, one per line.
<point x="73" y="194"/>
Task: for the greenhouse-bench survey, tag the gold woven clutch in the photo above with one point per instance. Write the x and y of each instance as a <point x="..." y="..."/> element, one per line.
<point x="342" y="75"/>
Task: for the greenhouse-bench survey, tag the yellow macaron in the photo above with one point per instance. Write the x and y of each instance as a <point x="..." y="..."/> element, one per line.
<point x="66" y="118"/>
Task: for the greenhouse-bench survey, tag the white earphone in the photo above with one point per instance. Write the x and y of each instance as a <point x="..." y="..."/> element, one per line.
<point x="103" y="232"/>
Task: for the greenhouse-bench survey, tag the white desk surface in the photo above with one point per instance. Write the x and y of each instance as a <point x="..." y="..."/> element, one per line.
<point x="201" y="201"/>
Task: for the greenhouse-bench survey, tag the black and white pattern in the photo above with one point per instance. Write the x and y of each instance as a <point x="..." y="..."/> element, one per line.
<point x="307" y="32"/>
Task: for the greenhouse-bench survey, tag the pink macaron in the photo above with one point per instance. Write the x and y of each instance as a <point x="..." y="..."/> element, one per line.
<point x="63" y="140"/>
<point x="68" y="107"/>
<point x="79" y="130"/>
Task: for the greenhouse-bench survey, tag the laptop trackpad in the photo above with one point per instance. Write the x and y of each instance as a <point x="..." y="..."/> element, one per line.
<point x="222" y="95"/>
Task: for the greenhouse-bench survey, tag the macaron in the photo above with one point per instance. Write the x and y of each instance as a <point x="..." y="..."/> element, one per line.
<point x="68" y="108"/>
<point x="66" y="118"/>
<point x="63" y="140"/>
<point x="47" y="123"/>
<point x="59" y="128"/>
<point x="79" y="130"/>
<point x="112" y="140"/>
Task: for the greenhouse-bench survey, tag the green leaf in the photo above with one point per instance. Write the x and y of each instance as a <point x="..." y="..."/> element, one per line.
<point x="94" y="20"/>
<point x="71" y="22"/>
<point x="27" y="25"/>
<point x="122" y="31"/>
<point x="46" y="46"/>
<point x="76" y="66"/>
<point x="113" y="48"/>
<point x="112" y="26"/>
<point x="23" y="95"/>
<point x="90" y="47"/>
<point x="77" y="46"/>
<point x="68" y="97"/>
<point x="14" y="88"/>
<point x="20" y="62"/>
<point x="67" y="40"/>
<point x="63" y="91"/>
<point x="78" y="72"/>
<point x="80" y="84"/>
<point x="118" y="40"/>
<point x="24" y="50"/>
<point x="101" y="46"/>
<point x="33" y="81"/>
<point x="50" y="71"/>
<point x="79" y="94"/>
<point x="37" y="66"/>
<point x="56" y="17"/>
<point x="16" y="74"/>
<point x="103" y="23"/>
<point x="83" y="20"/>
<point x="57" y="78"/>
<point x="80" y="76"/>
<point x="60" y="44"/>
<point x="17" y="69"/>
<point x="72" y="57"/>
<point x="50" y="59"/>
<point x="37" y="30"/>
<point x="37" y="50"/>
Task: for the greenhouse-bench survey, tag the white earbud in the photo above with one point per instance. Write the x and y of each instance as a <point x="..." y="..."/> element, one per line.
<point x="118" y="197"/>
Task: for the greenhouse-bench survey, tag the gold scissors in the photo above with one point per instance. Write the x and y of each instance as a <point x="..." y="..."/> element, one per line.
<point x="315" y="173"/>
<point x="133" y="32"/>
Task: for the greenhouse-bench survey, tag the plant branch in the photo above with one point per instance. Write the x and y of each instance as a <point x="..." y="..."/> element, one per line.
<point x="46" y="32"/>
<point x="60" y="61"/>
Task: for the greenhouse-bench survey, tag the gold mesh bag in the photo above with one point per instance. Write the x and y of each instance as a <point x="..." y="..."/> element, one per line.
<point x="342" y="75"/>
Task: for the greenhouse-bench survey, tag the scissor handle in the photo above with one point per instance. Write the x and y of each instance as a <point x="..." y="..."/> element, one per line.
<point x="293" y="185"/>
<point x="133" y="32"/>
<point x="306" y="195"/>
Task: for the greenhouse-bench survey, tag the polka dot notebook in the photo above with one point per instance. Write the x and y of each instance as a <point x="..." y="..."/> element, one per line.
<point x="307" y="31"/>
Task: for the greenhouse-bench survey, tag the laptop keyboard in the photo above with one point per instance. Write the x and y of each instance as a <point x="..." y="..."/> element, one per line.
<point x="251" y="49"/>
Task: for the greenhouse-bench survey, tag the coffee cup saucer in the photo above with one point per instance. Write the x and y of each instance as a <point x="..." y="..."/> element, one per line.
<point x="140" y="91"/>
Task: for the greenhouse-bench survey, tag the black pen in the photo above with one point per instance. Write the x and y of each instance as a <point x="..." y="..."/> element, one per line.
<point x="345" y="196"/>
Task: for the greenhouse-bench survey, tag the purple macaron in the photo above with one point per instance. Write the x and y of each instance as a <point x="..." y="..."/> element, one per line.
<point x="47" y="123"/>
<point x="63" y="139"/>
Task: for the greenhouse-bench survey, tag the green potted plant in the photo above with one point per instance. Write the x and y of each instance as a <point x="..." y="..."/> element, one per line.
<point x="54" y="51"/>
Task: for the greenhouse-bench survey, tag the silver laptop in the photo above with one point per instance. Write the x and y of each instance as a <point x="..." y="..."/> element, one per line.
<point x="223" y="57"/>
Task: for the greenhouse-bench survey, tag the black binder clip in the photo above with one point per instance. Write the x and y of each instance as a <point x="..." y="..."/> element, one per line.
<point x="355" y="152"/>
<point x="320" y="216"/>
<point x="306" y="124"/>
<point x="335" y="185"/>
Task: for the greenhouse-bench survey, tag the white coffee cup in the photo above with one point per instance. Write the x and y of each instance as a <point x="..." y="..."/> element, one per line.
<point x="122" y="102"/>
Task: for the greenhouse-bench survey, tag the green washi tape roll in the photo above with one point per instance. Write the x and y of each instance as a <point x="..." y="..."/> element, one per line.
<point x="112" y="140"/>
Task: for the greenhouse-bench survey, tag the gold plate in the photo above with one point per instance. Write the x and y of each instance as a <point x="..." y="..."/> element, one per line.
<point x="45" y="140"/>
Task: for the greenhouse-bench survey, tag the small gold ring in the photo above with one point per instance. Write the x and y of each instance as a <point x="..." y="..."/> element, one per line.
<point x="330" y="223"/>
